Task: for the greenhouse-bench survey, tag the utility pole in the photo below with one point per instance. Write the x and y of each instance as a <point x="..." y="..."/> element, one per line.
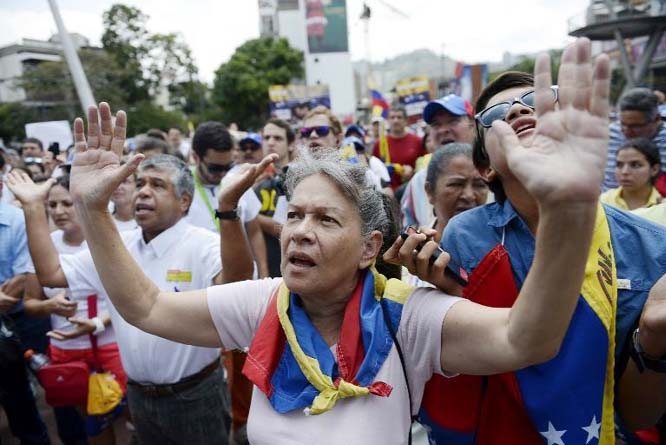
<point x="73" y="63"/>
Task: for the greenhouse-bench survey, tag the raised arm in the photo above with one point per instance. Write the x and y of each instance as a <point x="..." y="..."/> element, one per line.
<point x="641" y="395"/>
<point x="235" y="250"/>
<point x="96" y="173"/>
<point x="562" y="169"/>
<point x="44" y="254"/>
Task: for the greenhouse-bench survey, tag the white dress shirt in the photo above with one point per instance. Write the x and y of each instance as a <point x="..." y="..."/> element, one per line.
<point x="181" y="258"/>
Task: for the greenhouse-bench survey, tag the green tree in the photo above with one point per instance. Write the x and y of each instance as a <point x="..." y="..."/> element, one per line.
<point x="51" y="82"/>
<point x="152" y="62"/>
<point x="125" y="38"/>
<point x="241" y="85"/>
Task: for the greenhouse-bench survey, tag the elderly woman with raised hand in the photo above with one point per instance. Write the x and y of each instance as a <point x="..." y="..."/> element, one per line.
<point x="334" y="339"/>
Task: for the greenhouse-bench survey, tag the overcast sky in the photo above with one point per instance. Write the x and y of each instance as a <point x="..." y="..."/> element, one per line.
<point x="466" y="30"/>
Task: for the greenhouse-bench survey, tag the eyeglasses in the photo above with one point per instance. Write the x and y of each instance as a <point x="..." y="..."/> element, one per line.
<point x="30" y="160"/>
<point x="499" y="111"/>
<point x="322" y="130"/>
<point x="218" y="168"/>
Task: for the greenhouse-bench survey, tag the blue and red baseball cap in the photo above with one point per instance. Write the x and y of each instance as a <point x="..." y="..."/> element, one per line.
<point x="451" y="103"/>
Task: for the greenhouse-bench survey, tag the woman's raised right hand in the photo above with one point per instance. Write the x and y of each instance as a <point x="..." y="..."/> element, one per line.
<point x="25" y="190"/>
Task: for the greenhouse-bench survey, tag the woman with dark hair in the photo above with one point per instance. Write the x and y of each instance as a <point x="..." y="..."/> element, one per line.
<point x="637" y="166"/>
<point x="72" y="326"/>
<point x="453" y="184"/>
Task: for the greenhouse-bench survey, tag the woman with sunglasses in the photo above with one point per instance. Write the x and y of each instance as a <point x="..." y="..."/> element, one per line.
<point x="570" y="398"/>
<point x="637" y="166"/>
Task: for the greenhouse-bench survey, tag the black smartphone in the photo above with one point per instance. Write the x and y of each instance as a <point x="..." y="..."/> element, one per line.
<point x="453" y="269"/>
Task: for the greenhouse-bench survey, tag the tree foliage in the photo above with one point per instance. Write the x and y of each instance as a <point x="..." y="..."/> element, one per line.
<point x="241" y="85"/>
<point x="152" y="62"/>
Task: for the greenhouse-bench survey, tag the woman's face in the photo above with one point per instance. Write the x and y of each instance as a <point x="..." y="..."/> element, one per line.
<point x="322" y="246"/>
<point x="632" y="169"/>
<point x="60" y="207"/>
<point x="458" y="188"/>
<point x="125" y="192"/>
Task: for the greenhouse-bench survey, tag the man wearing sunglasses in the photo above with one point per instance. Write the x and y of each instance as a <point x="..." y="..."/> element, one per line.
<point x="212" y="147"/>
<point x="569" y="399"/>
<point x="451" y="120"/>
<point x="638" y="118"/>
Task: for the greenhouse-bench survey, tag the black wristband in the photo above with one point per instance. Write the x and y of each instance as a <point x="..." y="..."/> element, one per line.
<point x="644" y="361"/>
<point x="230" y="215"/>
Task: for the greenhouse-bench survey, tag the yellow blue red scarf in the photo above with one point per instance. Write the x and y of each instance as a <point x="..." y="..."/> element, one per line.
<point x="293" y="366"/>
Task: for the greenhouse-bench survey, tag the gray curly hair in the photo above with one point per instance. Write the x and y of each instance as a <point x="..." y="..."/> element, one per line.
<point x="350" y="179"/>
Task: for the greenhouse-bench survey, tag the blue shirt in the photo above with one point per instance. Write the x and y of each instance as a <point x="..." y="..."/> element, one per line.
<point x="639" y="247"/>
<point x="14" y="255"/>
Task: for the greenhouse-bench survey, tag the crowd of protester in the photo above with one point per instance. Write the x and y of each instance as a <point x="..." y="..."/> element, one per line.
<point x="226" y="267"/>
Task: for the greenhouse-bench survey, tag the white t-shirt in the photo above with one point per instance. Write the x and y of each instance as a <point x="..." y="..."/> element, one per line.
<point x="378" y="168"/>
<point x="61" y="323"/>
<point x="124" y="226"/>
<point x="238" y="308"/>
<point x="181" y="258"/>
<point x="199" y="214"/>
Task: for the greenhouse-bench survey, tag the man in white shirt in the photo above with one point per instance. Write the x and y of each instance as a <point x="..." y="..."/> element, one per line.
<point x="212" y="151"/>
<point x="176" y="392"/>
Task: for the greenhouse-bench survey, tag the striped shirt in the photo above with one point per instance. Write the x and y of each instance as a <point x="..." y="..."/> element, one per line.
<point x="616" y="140"/>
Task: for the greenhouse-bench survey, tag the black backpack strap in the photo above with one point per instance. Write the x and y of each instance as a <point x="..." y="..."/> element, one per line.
<point x="392" y="332"/>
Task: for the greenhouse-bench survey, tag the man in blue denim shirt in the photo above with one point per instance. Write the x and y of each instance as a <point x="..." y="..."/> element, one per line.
<point x="508" y="226"/>
<point x="15" y="394"/>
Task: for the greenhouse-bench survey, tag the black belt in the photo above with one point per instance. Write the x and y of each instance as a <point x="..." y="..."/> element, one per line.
<point x="181" y="385"/>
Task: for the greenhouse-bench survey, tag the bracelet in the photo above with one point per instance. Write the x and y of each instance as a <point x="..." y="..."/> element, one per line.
<point x="99" y="325"/>
<point x="642" y="360"/>
<point x="229" y="215"/>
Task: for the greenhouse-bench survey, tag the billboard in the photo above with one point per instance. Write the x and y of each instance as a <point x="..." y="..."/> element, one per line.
<point x="292" y="102"/>
<point x="414" y="94"/>
<point x="326" y="26"/>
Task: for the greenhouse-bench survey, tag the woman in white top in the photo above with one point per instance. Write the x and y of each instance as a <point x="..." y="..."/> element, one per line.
<point x="324" y="338"/>
<point x="70" y="322"/>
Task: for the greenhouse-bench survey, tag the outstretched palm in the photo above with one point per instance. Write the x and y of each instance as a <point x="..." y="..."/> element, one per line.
<point x="25" y="190"/>
<point x="96" y="170"/>
<point x="565" y="160"/>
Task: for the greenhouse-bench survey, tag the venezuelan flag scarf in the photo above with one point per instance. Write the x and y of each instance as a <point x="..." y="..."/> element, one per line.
<point x="567" y="400"/>
<point x="293" y="366"/>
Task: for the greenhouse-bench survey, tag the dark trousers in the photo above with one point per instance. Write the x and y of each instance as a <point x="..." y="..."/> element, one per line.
<point x="196" y="416"/>
<point x="15" y="394"/>
<point x="32" y="333"/>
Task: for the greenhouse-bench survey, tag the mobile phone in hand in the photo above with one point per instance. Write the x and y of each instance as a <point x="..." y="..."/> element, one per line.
<point x="453" y="270"/>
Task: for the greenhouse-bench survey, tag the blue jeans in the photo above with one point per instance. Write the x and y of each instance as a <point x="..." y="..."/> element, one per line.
<point x="196" y="416"/>
<point x="15" y="393"/>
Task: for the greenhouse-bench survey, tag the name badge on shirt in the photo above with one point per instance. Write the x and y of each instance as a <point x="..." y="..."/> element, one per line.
<point x="624" y="283"/>
<point x="179" y="276"/>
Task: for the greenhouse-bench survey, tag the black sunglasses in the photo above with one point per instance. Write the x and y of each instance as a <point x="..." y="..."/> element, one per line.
<point x="218" y="168"/>
<point x="499" y="111"/>
<point x="322" y="130"/>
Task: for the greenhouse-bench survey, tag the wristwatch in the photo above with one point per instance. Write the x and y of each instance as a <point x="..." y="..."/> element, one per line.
<point x="644" y="361"/>
<point x="230" y="215"/>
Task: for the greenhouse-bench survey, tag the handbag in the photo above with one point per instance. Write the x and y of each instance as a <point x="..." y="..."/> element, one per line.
<point x="73" y="384"/>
